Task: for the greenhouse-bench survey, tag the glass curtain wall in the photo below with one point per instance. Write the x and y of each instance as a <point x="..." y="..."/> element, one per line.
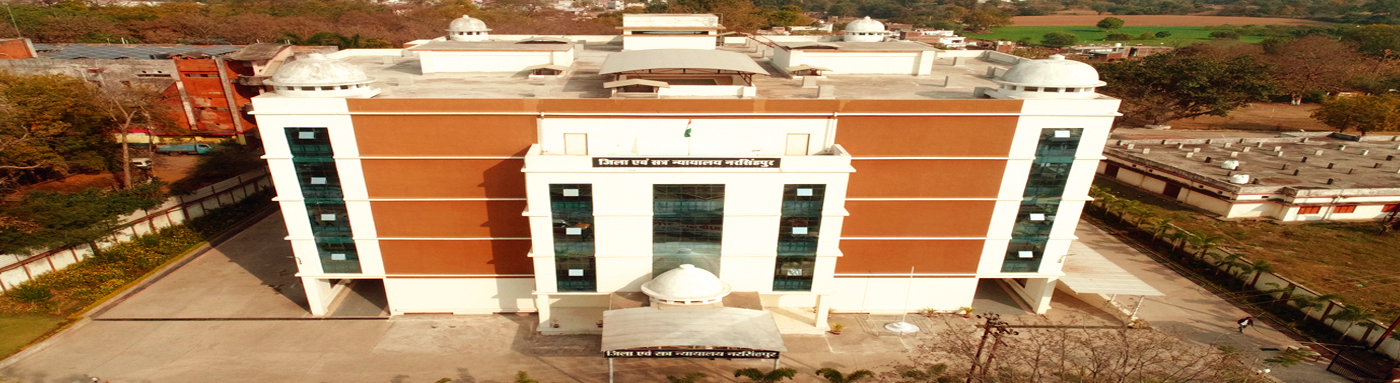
<point x="1040" y="202"/>
<point x="314" y="162"/>
<point x="687" y="226"/>
<point x="571" y="207"/>
<point x="797" y="237"/>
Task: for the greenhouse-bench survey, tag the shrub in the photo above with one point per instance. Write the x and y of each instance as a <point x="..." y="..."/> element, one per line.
<point x="1163" y="34"/>
<point x="30" y="292"/>
<point x="1118" y="37"/>
<point x="1225" y="35"/>
<point x="1146" y="36"/>
<point x="1059" y="39"/>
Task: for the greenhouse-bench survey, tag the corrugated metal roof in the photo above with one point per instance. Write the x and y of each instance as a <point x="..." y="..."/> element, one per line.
<point x="110" y="52"/>
<point x="635" y="81"/>
<point x="718" y="327"/>
<point x="258" y="51"/>
<point x="679" y="59"/>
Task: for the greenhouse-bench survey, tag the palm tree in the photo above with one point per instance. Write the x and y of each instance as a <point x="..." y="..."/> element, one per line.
<point x="1179" y="239"/>
<point x="1143" y="213"/>
<point x="1229" y="262"/>
<point x="757" y="376"/>
<point x="937" y="373"/>
<point x="1159" y="227"/>
<point x="688" y="378"/>
<point x="1125" y="207"/>
<point x="1259" y="268"/>
<point x="1310" y="302"/>
<point x="1205" y="243"/>
<point x="1354" y="314"/>
<point x="834" y="376"/>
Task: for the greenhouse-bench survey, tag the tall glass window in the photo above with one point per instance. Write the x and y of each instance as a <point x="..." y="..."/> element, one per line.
<point x="571" y="208"/>
<point x="687" y="225"/>
<point x="314" y="162"/>
<point x="1040" y="202"/>
<point x="797" y="237"/>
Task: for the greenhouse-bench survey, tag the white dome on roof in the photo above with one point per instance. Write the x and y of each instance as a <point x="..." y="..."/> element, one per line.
<point x="466" y="28"/>
<point x="865" y="25"/>
<point x="686" y="285"/>
<point x="865" y="30"/>
<point x="1053" y="78"/>
<point x="319" y="76"/>
<point x="1054" y="71"/>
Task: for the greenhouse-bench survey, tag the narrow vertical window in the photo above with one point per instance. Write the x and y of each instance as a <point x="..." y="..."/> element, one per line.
<point x="1040" y="201"/>
<point x="687" y="226"/>
<point x="798" y="230"/>
<point x="571" y="208"/>
<point x="314" y="162"/>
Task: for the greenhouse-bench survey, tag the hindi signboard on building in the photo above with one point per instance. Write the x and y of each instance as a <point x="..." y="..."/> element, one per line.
<point x="685" y="162"/>
<point x="728" y="354"/>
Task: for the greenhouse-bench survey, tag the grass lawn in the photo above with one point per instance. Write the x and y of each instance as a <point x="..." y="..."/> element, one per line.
<point x="18" y="330"/>
<point x="1090" y="34"/>
<point x="1346" y="258"/>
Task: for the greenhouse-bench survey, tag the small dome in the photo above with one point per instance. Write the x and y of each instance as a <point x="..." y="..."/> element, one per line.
<point x="865" y="25"/>
<point x="316" y="70"/>
<point x="467" y="24"/>
<point x="686" y="284"/>
<point x="1052" y="72"/>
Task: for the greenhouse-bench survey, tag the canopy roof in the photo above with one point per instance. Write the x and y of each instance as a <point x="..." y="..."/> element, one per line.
<point x="561" y="68"/>
<point x="638" y="60"/>
<point x="724" y="327"/>
<point x="1087" y="271"/>
<point x="807" y="67"/>
<point x="636" y="81"/>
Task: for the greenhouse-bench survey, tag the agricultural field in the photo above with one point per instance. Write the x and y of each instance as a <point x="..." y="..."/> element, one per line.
<point x="1185" y="30"/>
<point x="1089" y="34"/>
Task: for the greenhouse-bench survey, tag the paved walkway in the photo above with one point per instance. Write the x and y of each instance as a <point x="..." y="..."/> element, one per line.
<point x="235" y="314"/>
<point x="1193" y="313"/>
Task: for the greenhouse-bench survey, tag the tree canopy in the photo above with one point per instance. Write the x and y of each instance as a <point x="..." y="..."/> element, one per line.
<point x="50" y="126"/>
<point x="1170" y="86"/>
<point x="1110" y="23"/>
<point x="1364" y="113"/>
<point x="1059" y="39"/>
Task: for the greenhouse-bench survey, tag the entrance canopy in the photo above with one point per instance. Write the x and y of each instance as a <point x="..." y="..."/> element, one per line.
<point x="1087" y="271"/>
<point x="689" y="331"/>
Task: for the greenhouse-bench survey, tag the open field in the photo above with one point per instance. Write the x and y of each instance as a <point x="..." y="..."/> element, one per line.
<point x="1089" y="19"/>
<point x="1089" y="34"/>
<point x="1346" y="258"/>
<point x="1262" y="116"/>
<point x="19" y="330"/>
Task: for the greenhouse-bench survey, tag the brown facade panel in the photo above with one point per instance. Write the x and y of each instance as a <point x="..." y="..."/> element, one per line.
<point x="897" y="256"/>
<point x="918" y="218"/>
<point x="926" y="178"/>
<point x="444" y="178"/>
<point x="926" y="136"/>
<point x="450" y="219"/>
<point x="444" y="135"/>
<point x="456" y="257"/>
<point x="443" y="105"/>
<point x="564" y="105"/>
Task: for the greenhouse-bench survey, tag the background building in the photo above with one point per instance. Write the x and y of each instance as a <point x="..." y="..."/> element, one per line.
<point x="499" y="191"/>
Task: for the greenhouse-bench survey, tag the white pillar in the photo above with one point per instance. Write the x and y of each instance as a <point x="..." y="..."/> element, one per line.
<point x="823" y="308"/>
<point x="318" y="294"/>
<point x="542" y="307"/>
<point x="1038" y="293"/>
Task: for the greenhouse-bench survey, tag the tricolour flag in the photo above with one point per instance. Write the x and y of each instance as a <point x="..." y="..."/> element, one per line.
<point x="687" y="128"/>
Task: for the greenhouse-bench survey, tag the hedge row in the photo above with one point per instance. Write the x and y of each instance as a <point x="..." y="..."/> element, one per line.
<point x="64" y="291"/>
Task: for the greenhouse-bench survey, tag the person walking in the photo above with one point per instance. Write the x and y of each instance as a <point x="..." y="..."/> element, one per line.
<point x="1245" y="322"/>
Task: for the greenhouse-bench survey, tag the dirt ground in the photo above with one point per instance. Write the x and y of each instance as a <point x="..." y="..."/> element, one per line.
<point x="1267" y="117"/>
<point x="167" y="168"/>
<point x="1091" y="18"/>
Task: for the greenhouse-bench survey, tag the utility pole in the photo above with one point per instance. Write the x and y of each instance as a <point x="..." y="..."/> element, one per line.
<point x="994" y="328"/>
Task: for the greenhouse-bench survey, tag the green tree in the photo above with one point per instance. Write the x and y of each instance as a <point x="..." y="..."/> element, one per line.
<point x="985" y="18"/>
<point x="1170" y="86"/>
<point x="1059" y="39"/>
<point x="834" y="376"/>
<point x="1364" y="113"/>
<point x="1109" y="23"/>
<point x="1353" y="314"/>
<point x="1377" y="40"/>
<point x="693" y="377"/>
<point x="1312" y="64"/>
<point x="757" y="376"/>
<point x="1308" y="303"/>
<point x="1163" y="34"/>
<point x="523" y="377"/>
<point x="74" y="218"/>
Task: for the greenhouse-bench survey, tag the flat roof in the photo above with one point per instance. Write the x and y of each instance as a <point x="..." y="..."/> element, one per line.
<point x="1354" y="164"/>
<point x="402" y="77"/>
<point x="859" y="46"/>
<point x="649" y="59"/>
<point x="527" y="45"/>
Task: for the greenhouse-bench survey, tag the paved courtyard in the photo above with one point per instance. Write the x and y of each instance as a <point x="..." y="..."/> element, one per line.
<point x="236" y="314"/>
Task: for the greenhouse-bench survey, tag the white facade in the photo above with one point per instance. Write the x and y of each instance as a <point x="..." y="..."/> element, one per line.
<point x="857" y="62"/>
<point x="491" y="61"/>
